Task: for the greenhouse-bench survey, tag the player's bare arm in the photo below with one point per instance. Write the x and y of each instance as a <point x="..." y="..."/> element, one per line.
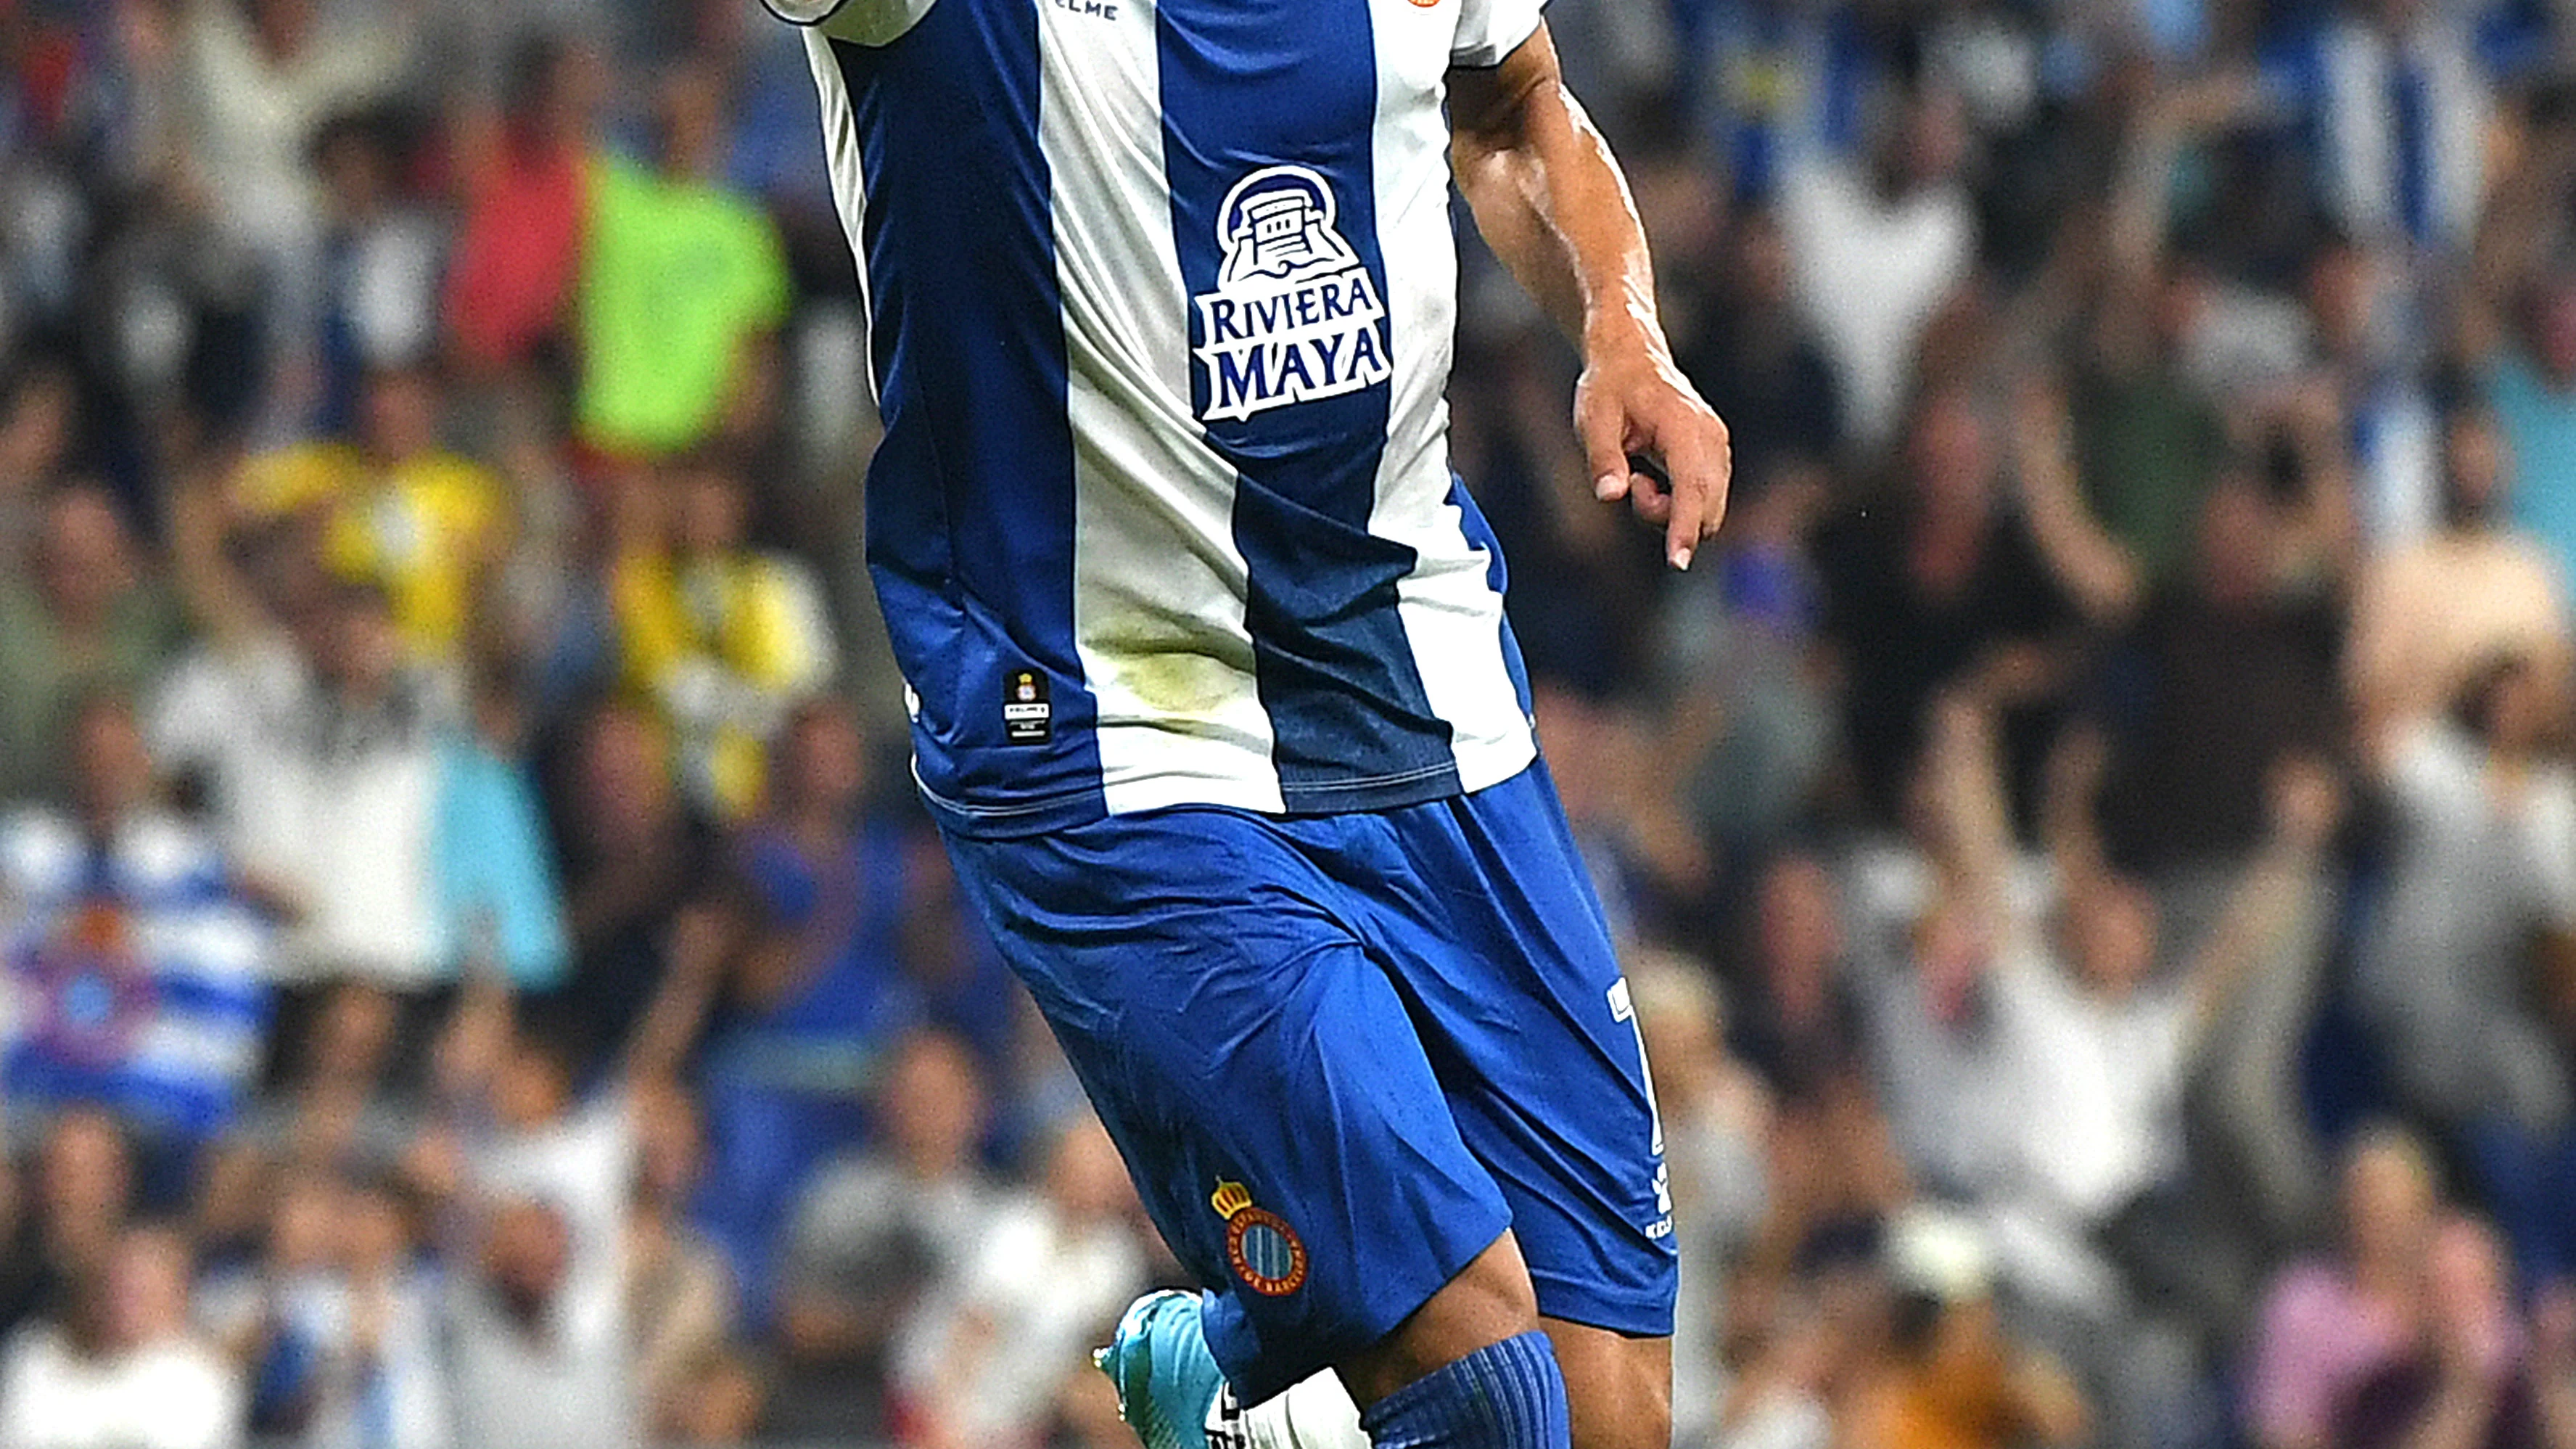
<point x="1551" y="202"/>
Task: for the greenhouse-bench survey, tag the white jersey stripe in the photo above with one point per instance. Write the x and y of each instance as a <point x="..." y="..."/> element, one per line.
<point x="849" y="177"/>
<point x="1452" y="617"/>
<point x="1159" y="628"/>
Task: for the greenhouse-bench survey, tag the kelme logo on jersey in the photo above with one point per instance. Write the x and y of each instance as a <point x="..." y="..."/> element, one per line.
<point x="1294" y="315"/>
<point x="1262" y="1249"/>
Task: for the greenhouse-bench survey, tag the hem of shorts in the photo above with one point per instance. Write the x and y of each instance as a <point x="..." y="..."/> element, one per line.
<point x="1635" y="1315"/>
<point x="1275" y="1373"/>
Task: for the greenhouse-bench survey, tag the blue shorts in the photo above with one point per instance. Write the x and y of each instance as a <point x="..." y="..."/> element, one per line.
<point x="1343" y="1053"/>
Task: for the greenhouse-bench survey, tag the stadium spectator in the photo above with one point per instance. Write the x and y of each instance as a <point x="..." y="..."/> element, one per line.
<point x="285" y="1318"/>
<point x="543" y="1185"/>
<point x="816" y="906"/>
<point x="2228" y="676"/>
<point x="2367" y="364"/>
<point x="1052" y="1272"/>
<point x="1797" y="1020"/>
<point x="259" y="79"/>
<point x="120" y="1366"/>
<point x="876" y="1232"/>
<point x="2076" y="1059"/>
<point x="493" y="870"/>
<point x="2428" y="615"/>
<point x="321" y="747"/>
<point x="393" y="1388"/>
<point x="1878" y="247"/>
<point x="680" y="1300"/>
<point x="88" y="615"/>
<point x="2476" y="1373"/>
<point x="667" y="367"/>
<point x="518" y="246"/>
<point x="535" y="1368"/>
<point x="1645" y="859"/>
<point x="1947" y="584"/>
<point x="380" y="259"/>
<point x="1715" y="1118"/>
<point x="80" y="1201"/>
<point x="2148" y="441"/>
<point x="390" y="509"/>
<point x="634" y="853"/>
<point x="1951" y="1375"/>
<point x="2392" y="97"/>
<point x="2530" y="379"/>
<point x="137" y="975"/>
<point x="2329" y="1324"/>
<point x="2483" y="858"/>
<point x="724" y="637"/>
<point x="1756" y="361"/>
<point x="39" y="425"/>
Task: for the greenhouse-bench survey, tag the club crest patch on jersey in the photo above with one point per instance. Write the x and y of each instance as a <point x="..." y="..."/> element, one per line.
<point x="1263" y="1250"/>
<point x="1295" y="315"/>
<point x="1028" y="717"/>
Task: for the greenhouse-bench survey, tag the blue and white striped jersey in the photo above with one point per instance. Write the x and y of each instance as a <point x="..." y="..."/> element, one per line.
<point x="131" y="973"/>
<point x="1161" y="297"/>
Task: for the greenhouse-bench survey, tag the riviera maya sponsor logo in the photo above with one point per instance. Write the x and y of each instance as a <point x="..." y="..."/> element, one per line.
<point x="1294" y="316"/>
<point x="1259" y="1245"/>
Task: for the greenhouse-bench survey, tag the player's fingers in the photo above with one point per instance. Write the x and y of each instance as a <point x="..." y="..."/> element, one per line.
<point x="1649" y="492"/>
<point x="1681" y="529"/>
<point x="1602" y="428"/>
<point x="1701" y="467"/>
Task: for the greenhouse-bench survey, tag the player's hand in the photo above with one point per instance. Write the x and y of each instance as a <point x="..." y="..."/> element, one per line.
<point x="1648" y="438"/>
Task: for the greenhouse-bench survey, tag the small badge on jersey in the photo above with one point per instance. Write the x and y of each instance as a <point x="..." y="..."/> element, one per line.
<point x="1027" y="717"/>
<point x="1263" y="1250"/>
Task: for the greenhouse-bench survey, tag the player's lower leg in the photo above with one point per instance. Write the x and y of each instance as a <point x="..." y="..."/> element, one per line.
<point x="1467" y="1370"/>
<point x="1508" y="1394"/>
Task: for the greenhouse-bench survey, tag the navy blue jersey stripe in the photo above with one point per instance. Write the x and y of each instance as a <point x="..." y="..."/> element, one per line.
<point x="1269" y="110"/>
<point x="971" y="493"/>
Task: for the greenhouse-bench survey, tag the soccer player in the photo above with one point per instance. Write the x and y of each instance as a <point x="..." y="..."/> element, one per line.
<point x="1211" y="691"/>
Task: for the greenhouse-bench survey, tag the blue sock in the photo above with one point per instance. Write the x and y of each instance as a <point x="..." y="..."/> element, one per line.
<point x="1507" y="1395"/>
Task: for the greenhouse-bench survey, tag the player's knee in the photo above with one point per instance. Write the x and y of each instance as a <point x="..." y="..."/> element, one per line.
<point x="1489" y="1301"/>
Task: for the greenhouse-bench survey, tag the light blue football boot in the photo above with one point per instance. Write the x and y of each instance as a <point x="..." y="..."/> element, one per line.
<point x="1168" y="1382"/>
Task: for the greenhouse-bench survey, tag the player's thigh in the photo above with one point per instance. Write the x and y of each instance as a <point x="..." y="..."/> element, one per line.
<point x="1502" y="955"/>
<point x="1256" y="1068"/>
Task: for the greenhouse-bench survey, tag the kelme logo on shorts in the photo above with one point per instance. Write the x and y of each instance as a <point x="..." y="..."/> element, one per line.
<point x="1259" y="1245"/>
<point x="1294" y="315"/>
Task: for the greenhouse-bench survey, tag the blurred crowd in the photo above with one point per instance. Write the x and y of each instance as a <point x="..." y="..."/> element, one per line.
<point x="2095" y="844"/>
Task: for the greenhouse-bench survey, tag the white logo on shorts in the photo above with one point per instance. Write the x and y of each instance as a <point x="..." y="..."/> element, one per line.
<point x="1294" y="315"/>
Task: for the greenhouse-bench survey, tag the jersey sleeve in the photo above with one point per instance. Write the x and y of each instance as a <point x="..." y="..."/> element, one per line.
<point x="1489" y="30"/>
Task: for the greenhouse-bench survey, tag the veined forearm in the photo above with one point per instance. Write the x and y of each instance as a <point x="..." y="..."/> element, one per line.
<point x="1550" y="198"/>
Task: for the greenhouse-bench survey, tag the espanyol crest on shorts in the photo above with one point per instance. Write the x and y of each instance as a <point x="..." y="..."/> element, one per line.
<point x="1294" y="314"/>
